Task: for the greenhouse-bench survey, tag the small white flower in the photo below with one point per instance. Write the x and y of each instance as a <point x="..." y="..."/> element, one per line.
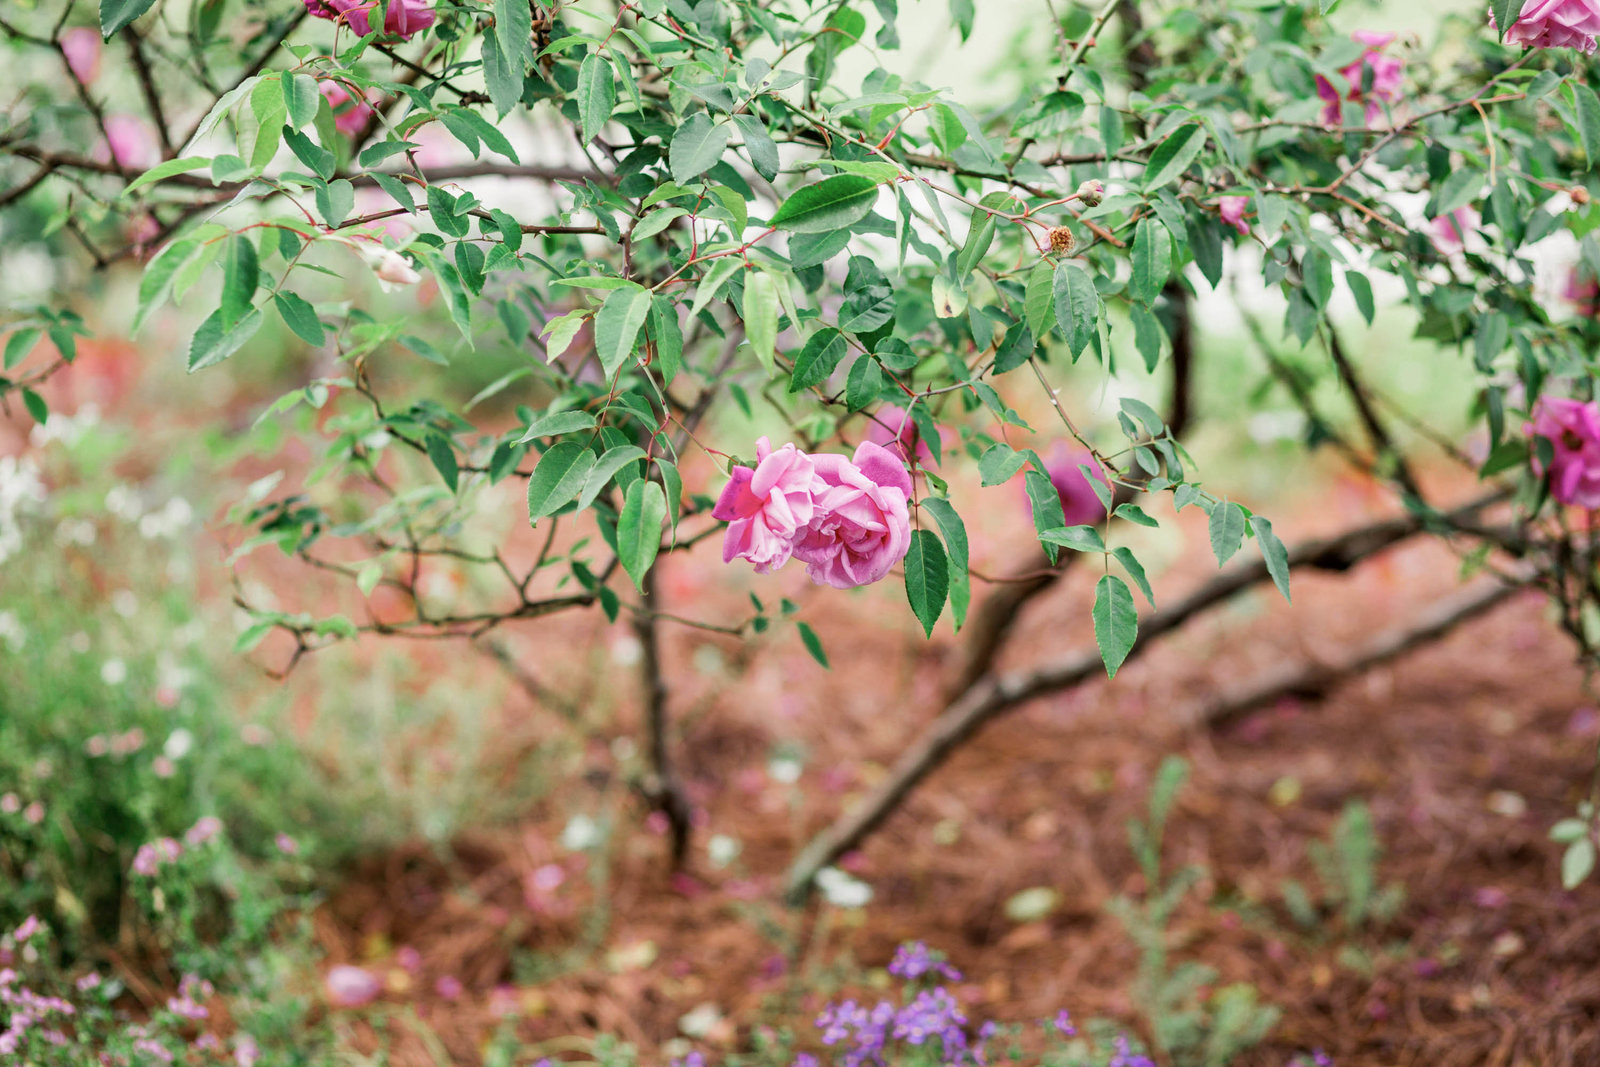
<point x="581" y="833"/>
<point x="626" y="651"/>
<point x="113" y="672"/>
<point x="722" y="850"/>
<point x="699" y="1022"/>
<point x="785" y="769"/>
<point x="841" y="890"/>
<point x="179" y="743"/>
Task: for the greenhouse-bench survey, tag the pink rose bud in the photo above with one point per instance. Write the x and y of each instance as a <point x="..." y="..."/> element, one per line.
<point x="1555" y="24"/>
<point x="893" y="428"/>
<point x="393" y="269"/>
<point x="1092" y="192"/>
<point x="81" y="46"/>
<point x="1449" y="232"/>
<point x="1573" y="429"/>
<point x="1232" y="209"/>
<point x="1388" y="73"/>
<point x="861" y="526"/>
<point x="765" y="508"/>
<point x="351" y="987"/>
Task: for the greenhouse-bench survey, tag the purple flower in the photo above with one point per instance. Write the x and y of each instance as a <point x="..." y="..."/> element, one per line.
<point x="913" y="959"/>
<point x="207" y="828"/>
<point x="1126" y="1057"/>
<point x="1063" y="1024"/>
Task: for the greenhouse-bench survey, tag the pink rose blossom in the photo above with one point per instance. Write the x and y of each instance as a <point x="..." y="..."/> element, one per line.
<point x="861" y="526"/>
<point x="245" y="1051"/>
<point x="350" y="116"/>
<point x="1079" y="503"/>
<point x="1449" y="232"/>
<point x="1582" y="292"/>
<point x="1573" y="428"/>
<point x="1556" y="24"/>
<point x="81" y="47"/>
<point x="130" y="143"/>
<point x="1387" y="75"/>
<point x="767" y="507"/>
<point x="403" y="18"/>
<point x="1232" y="209"/>
<point x="894" y="429"/>
<point x="29" y="927"/>
<point x="208" y="827"/>
<point x="351" y="987"/>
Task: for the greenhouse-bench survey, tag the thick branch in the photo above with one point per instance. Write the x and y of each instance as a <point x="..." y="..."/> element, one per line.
<point x="992" y="695"/>
<point x="662" y="787"/>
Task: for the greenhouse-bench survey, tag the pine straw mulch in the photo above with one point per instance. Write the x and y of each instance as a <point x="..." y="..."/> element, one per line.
<point x="1466" y="753"/>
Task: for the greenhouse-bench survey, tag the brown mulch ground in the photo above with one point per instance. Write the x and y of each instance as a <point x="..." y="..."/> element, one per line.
<point x="1466" y="753"/>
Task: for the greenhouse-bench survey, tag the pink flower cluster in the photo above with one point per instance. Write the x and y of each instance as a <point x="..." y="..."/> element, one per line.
<point x="1387" y="74"/>
<point x="403" y="18"/>
<point x="1573" y="429"/>
<point x="1449" y="232"/>
<point x="1232" y="209"/>
<point x="847" y="520"/>
<point x="1556" y="24"/>
<point x="154" y="854"/>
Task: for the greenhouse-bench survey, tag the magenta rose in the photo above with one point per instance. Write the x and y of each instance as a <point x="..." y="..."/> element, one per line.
<point x="767" y="508"/>
<point x="1387" y="76"/>
<point x="349" y="115"/>
<point x="1232" y="209"/>
<point x="1556" y="24"/>
<point x="403" y="18"/>
<point x="894" y="428"/>
<point x="1449" y="232"/>
<point x="1079" y="503"/>
<point x="1573" y="428"/>
<point x="861" y="527"/>
<point x="1582" y="292"/>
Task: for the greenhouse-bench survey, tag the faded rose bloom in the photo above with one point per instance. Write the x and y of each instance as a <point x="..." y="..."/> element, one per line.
<point x="1573" y="428"/>
<point x="208" y="827"/>
<point x="1449" y="232"/>
<point x="1582" y="292"/>
<point x="894" y="428"/>
<point x="81" y="47"/>
<point x="403" y="18"/>
<point x="1556" y="24"/>
<point x="767" y="507"/>
<point x="1232" y="209"/>
<point x="1079" y="504"/>
<point x="861" y="526"/>
<point x="1387" y="75"/>
<point x="393" y="269"/>
<point x="350" y="116"/>
<point x="130" y="143"/>
<point x="351" y="987"/>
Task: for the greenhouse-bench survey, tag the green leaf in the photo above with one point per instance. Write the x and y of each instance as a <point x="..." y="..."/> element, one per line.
<point x="300" y="98"/>
<point x="560" y="331"/>
<point x="927" y="578"/>
<point x="513" y="32"/>
<point x="758" y="145"/>
<point x="443" y="456"/>
<point x="335" y="201"/>
<point x="490" y="134"/>
<point x="502" y="79"/>
<point x="240" y="275"/>
<point x="712" y="282"/>
<point x="213" y="343"/>
<point x="558" y="478"/>
<point x="19" y="344"/>
<point x="1135" y="514"/>
<point x="1577" y="863"/>
<point x="1588" y="121"/>
<point x="1316" y="269"/>
<point x="1116" y="621"/>
<point x="1135" y="569"/>
<point x="1152" y="260"/>
<point x="999" y="463"/>
<point x="813" y="643"/>
<point x="300" y="317"/>
<point x="597" y="94"/>
<point x="1037" y="303"/>
<point x="955" y="541"/>
<point x="644" y="512"/>
<point x="1505" y="14"/>
<point x="1361" y="289"/>
<point x="1147" y="335"/>
<point x="1227" y="530"/>
<point x="556" y="423"/>
<point x="1273" y="552"/>
<point x="1045" y="501"/>
<point x="697" y="145"/>
<point x="261" y="124"/>
<point x="616" y="326"/>
<point x="761" y="317"/>
<point x="1077" y="538"/>
<point x="831" y="204"/>
<point x="156" y="284"/>
<point x="605" y="469"/>
<point x="1173" y="156"/>
<point x="863" y="383"/>
<point x="166" y="170"/>
<point x="35" y="405"/>
<point x="818" y="359"/>
<point x="1077" y="306"/>
<point x="115" y="14"/>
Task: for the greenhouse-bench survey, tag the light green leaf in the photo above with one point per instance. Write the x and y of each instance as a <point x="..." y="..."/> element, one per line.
<point x="1037" y="303"/>
<point x="644" y="512"/>
<point x="1588" y="121"/>
<point x="597" y="94"/>
<point x="616" y="326"/>
<point x="300" y="98"/>
<point x="1116" y="621"/>
<point x="513" y="32"/>
<point x="1227" y="530"/>
<point x="559" y="332"/>
<point x="166" y="170"/>
<point x="558" y="478"/>
<point x="605" y="469"/>
<point x="831" y="204"/>
<point x="697" y="145"/>
<point x="1135" y="569"/>
<point x="1273" y="552"/>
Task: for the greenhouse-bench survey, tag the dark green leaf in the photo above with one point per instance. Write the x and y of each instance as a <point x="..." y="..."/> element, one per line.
<point x="1135" y="569"/>
<point x="443" y="456"/>
<point x="616" y="326"/>
<point x="999" y="463"/>
<point x="1173" y="156"/>
<point x="214" y="343"/>
<point x="35" y="405"/>
<point x="1116" y="621"/>
<point x="832" y="204"/>
<point x="19" y="344"/>
<point x="758" y="145"/>
<point x="818" y="359"/>
<point x="1273" y="552"/>
<point x="1077" y="306"/>
<point x="927" y="578"/>
<point x="597" y="94"/>
<point x="1588" y="121"/>
<point x="115" y="14"/>
<point x="1152" y="260"/>
<point x="1361" y="289"/>
<point x="1045" y="500"/>
<point x="644" y="512"/>
<point x="696" y="146"/>
<point x="558" y="478"/>
<point x="808" y="637"/>
<point x="513" y="31"/>
<point x="240" y="275"/>
<point x="863" y="384"/>
<point x="300" y="317"/>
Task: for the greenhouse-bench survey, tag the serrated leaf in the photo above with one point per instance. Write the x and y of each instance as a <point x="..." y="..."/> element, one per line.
<point x="616" y="326"/>
<point x="864" y="383"/>
<point x="300" y="317"/>
<point x="1037" y="303"/>
<point x="1116" y="621"/>
<point x="605" y="469"/>
<point x="1273" y="553"/>
<point x="240" y="275"/>
<point x="513" y="31"/>
<point x="927" y="578"/>
<point x="1135" y="569"/>
<point x="214" y="343"/>
<point x="559" y="332"/>
<point x="1588" y="121"/>
<point x="831" y="204"/>
<point x="954" y="531"/>
<point x="1152" y="260"/>
<point x="1227" y="530"/>
<point x="597" y="94"/>
<point x="1505" y="14"/>
<point x="818" y="359"/>
<point x="644" y="512"/>
<point x="502" y="79"/>
<point x="115" y="14"/>
<point x="761" y="317"/>
<point x="999" y="462"/>
<point x="697" y="145"/>
<point x="557" y="423"/>
<point x="558" y="479"/>
<point x="300" y="98"/>
<point x="1077" y="305"/>
<point x="758" y="144"/>
<point x="1077" y="538"/>
<point x="1173" y="155"/>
